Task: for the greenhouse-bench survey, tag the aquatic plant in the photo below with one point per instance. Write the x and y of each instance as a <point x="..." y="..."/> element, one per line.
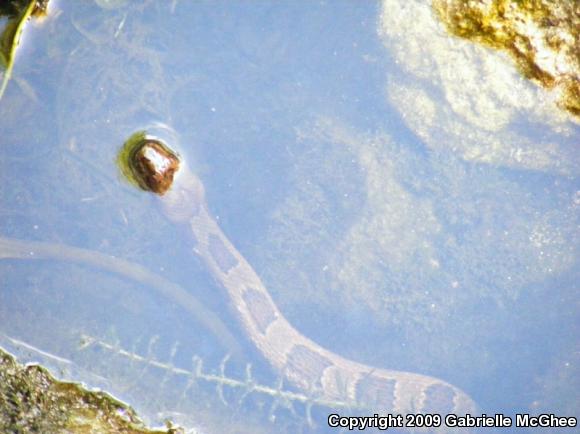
<point x="281" y="397"/>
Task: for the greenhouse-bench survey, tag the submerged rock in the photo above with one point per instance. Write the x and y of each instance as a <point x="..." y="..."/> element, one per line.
<point x="540" y="35"/>
<point x="464" y="98"/>
<point x="32" y="400"/>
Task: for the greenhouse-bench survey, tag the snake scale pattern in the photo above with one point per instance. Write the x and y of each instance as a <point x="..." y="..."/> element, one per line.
<point x="302" y="362"/>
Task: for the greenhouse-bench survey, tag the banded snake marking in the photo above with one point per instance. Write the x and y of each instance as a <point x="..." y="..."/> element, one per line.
<point x="301" y="361"/>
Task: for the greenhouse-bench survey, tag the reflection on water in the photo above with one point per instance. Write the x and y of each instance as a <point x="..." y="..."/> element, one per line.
<point x="397" y="216"/>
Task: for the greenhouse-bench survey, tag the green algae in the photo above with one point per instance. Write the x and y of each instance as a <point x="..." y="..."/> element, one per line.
<point x="541" y="36"/>
<point x="32" y="400"/>
<point x="125" y="155"/>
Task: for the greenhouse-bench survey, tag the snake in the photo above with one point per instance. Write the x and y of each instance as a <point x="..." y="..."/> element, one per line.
<point x="302" y="362"/>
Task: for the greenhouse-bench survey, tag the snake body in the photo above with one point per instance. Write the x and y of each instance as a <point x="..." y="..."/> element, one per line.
<point x="300" y="360"/>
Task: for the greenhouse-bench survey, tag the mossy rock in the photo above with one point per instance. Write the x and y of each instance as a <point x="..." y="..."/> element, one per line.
<point x="32" y="400"/>
<point x="540" y="35"/>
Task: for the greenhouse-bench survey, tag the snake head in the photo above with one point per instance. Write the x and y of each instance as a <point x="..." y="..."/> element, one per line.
<point x="148" y="163"/>
<point x="156" y="166"/>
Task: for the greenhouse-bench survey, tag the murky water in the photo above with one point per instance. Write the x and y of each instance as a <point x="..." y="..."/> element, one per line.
<point x="408" y="200"/>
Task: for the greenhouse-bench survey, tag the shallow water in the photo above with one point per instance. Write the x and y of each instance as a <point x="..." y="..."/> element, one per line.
<point x="399" y="215"/>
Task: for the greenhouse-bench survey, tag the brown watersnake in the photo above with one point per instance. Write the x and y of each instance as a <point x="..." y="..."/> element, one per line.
<point x="299" y="360"/>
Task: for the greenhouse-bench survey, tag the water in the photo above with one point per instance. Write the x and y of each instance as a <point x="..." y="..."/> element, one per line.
<point x="406" y="206"/>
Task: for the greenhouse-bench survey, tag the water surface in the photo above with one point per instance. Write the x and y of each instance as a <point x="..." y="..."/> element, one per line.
<point x="410" y="203"/>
